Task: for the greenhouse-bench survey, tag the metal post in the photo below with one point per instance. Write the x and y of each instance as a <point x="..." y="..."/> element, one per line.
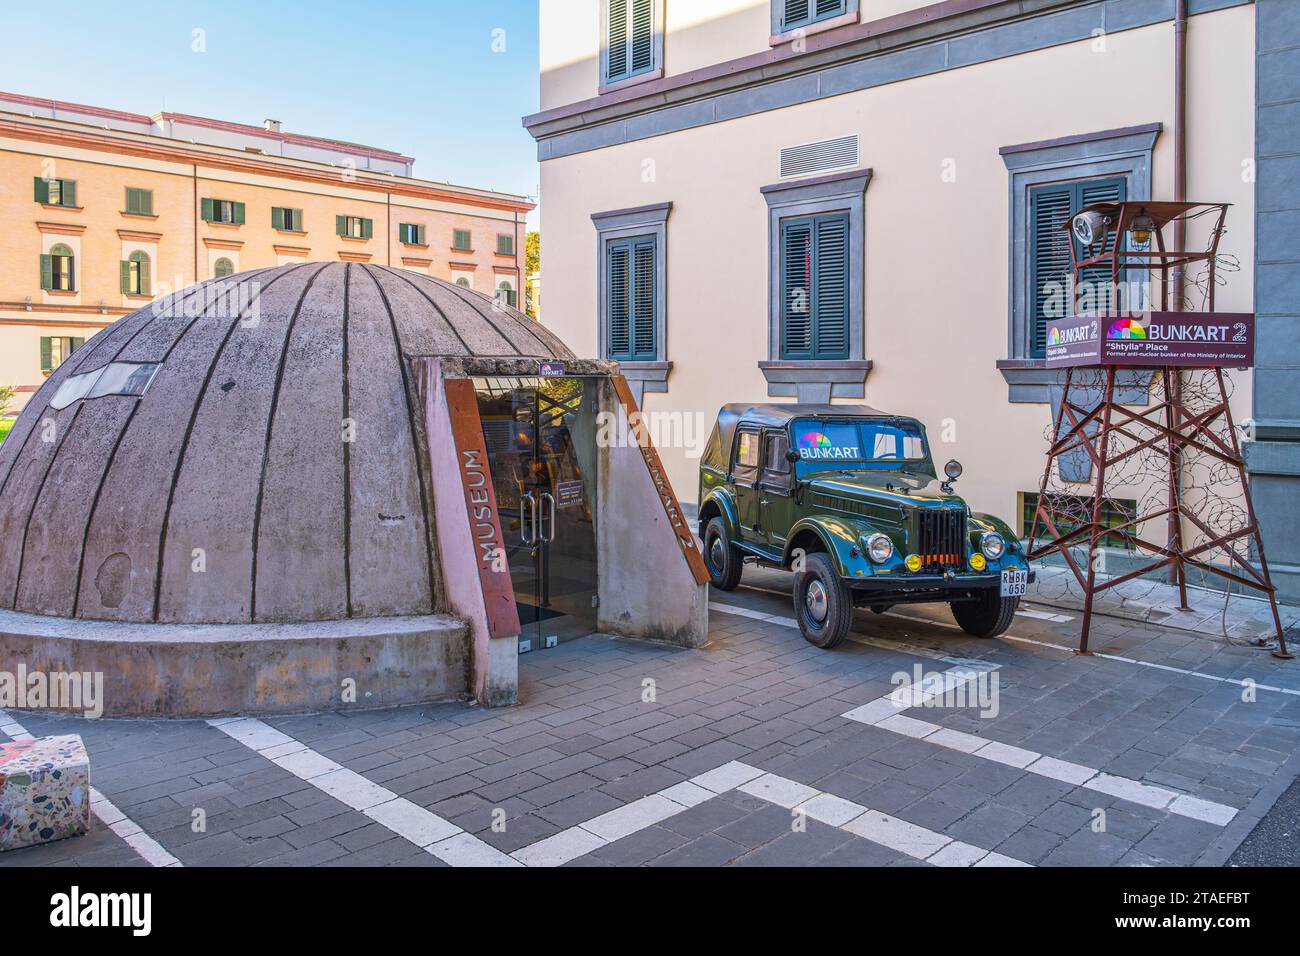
<point x="1103" y="442"/>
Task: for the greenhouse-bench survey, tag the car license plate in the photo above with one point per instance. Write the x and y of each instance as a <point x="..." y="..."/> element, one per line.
<point x="1014" y="582"/>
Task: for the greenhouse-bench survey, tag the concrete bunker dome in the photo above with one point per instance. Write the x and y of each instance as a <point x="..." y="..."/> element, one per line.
<point x="271" y="468"/>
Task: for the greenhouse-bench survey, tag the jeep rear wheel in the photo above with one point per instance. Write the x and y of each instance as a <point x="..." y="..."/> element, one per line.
<point x="721" y="557"/>
<point x="822" y="603"/>
<point x="987" y="616"/>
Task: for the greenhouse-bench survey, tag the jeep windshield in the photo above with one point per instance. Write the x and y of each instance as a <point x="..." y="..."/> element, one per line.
<point x="864" y="440"/>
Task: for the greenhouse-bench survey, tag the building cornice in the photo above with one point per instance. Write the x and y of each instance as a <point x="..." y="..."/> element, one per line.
<point x="263" y="166"/>
<point x="930" y="39"/>
<point x="60" y="228"/>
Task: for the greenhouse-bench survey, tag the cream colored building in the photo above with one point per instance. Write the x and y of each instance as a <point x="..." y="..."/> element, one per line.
<point x="691" y="151"/>
<point x="105" y="210"/>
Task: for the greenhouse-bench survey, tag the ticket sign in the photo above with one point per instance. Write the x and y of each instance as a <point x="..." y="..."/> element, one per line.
<point x="1178" y="339"/>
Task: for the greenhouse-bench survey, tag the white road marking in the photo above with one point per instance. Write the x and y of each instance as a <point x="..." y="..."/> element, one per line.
<point x="149" y="849"/>
<point x="1044" y="616"/>
<point x="886" y="713"/>
<point x="412" y="822"/>
<point x="1059" y="618"/>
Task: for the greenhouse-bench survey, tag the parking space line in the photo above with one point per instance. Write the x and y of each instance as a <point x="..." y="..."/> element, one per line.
<point x="148" y="849"/>
<point x="887" y="713"/>
<point x="409" y="820"/>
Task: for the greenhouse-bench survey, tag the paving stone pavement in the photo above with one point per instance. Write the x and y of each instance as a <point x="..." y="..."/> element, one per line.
<point x="584" y="742"/>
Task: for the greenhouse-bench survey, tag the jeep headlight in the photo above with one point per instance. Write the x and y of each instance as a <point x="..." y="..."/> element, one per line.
<point x="880" y="548"/>
<point x="992" y="545"/>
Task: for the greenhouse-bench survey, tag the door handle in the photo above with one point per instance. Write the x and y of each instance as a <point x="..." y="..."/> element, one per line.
<point x="530" y="521"/>
<point x="545" y="497"/>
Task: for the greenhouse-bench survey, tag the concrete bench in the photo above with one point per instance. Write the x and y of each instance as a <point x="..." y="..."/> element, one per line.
<point x="44" y="790"/>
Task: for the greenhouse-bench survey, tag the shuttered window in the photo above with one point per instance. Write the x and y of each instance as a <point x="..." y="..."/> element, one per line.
<point x="139" y="202"/>
<point x="1050" y="208"/>
<point x="56" y="349"/>
<point x="631" y="306"/>
<point x="222" y="268"/>
<point x="354" y="227"/>
<point x="56" y="192"/>
<point x="222" y="211"/>
<point x="410" y="233"/>
<point x="505" y="244"/>
<point x="630" y="43"/>
<point x="800" y="13"/>
<point x="815" y="287"/>
<point x="58" y="270"/>
<point x="285" y="219"/>
<point x="135" y="274"/>
<point x="460" y="240"/>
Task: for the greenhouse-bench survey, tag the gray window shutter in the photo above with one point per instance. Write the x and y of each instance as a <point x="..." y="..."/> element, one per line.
<point x="643" y="301"/>
<point x="421" y="235"/>
<point x="796" y="288"/>
<point x="1089" y="192"/>
<point x="616" y="42"/>
<point x="145" y="281"/>
<point x="642" y="36"/>
<point x="47" y="272"/>
<point x="69" y="192"/>
<point x="831" y="287"/>
<point x="619" y="333"/>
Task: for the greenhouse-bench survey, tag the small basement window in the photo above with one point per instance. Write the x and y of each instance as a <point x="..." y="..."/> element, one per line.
<point x="117" y="378"/>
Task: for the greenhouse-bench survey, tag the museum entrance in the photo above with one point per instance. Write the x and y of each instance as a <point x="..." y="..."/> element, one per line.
<point x="540" y="434"/>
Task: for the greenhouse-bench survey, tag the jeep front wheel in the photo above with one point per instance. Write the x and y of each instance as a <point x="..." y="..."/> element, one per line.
<point x="721" y="557"/>
<point x="822" y="603"/>
<point x="987" y="616"/>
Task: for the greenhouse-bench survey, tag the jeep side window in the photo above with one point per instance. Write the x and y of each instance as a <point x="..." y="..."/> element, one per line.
<point x="747" y="445"/>
<point x="776" y="468"/>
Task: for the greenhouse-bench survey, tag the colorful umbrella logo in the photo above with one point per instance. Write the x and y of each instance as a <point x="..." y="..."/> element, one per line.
<point x="1126" y="329"/>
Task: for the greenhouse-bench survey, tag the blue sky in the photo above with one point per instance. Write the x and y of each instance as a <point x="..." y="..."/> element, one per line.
<point x="418" y="77"/>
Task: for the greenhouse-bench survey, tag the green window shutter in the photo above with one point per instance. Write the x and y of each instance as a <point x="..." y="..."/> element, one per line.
<point x="831" y="287"/>
<point x="125" y="274"/>
<point x="642" y="36"/>
<point x="77" y="342"/>
<point x="505" y="245"/>
<point x="47" y="272"/>
<point x="208" y="214"/>
<point x="367" y="228"/>
<point x="643" y="300"/>
<point x="618" y="335"/>
<point x="42" y="190"/>
<point x="146" y="285"/>
<point x="404" y="232"/>
<point x="132" y="201"/>
<point x="47" y="354"/>
<point x="146" y="201"/>
<point x="341" y="225"/>
<point x="796" y="288"/>
<point x="69" y="192"/>
<point x="277" y="218"/>
<point x="238" y="211"/>
<point x="420" y="234"/>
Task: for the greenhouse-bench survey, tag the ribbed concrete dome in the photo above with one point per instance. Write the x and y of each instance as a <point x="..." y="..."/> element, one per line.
<point x="226" y="492"/>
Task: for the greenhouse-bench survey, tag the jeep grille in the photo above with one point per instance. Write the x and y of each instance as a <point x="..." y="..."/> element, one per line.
<point x="941" y="538"/>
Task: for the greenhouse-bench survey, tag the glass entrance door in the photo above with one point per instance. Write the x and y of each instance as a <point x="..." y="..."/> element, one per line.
<point x="541" y="440"/>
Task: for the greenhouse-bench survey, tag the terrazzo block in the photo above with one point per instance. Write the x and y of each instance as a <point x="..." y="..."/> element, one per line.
<point x="44" y="790"/>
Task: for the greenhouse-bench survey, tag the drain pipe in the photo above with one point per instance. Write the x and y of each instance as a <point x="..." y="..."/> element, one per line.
<point x="1174" y="382"/>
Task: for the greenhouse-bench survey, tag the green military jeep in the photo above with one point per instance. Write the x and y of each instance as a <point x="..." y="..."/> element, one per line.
<point x="848" y="498"/>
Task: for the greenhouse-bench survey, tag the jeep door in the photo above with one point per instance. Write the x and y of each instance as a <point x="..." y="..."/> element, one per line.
<point x="744" y="477"/>
<point x="775" y="483"/>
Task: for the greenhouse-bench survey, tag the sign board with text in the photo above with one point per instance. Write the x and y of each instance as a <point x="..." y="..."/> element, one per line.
<point x="1153" y="339"/>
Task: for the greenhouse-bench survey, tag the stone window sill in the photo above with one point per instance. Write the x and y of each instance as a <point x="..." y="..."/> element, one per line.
<point x="816" y="382"/>
<point x="1031" y="382"/>
<point x="843" y="20"/>
<point x="655" y="74"/>
<point x="140" y="215"/>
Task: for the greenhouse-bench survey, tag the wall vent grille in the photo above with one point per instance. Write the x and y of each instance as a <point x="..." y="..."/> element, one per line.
<point x="820" y="157"/>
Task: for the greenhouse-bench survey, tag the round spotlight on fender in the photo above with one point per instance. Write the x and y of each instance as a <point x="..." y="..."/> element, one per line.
<point x="914" y="563"/>
<point x="953" y="469"/>
<point x="978" y="562"/>
<point x="879" y="548"/>
<point x="993" y="546"/>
